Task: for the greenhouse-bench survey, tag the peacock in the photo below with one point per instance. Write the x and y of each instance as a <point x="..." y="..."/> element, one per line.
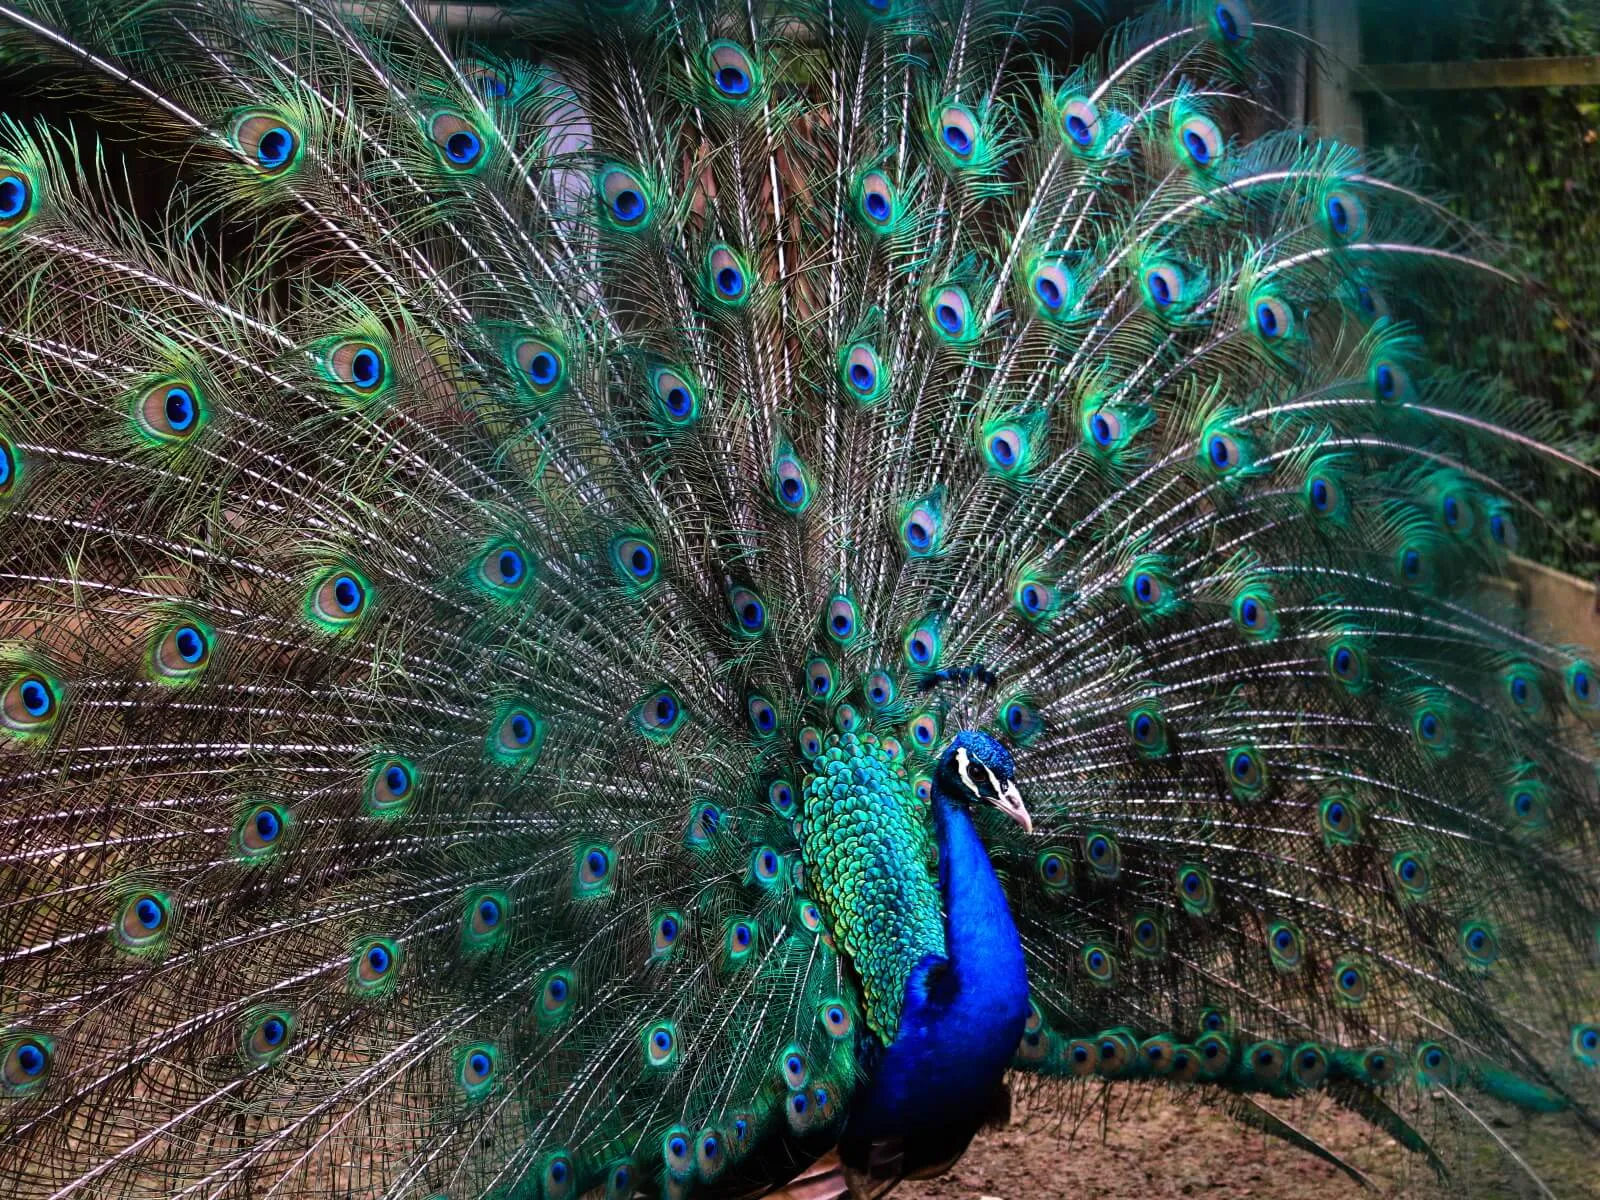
<point x="621" y="604"/>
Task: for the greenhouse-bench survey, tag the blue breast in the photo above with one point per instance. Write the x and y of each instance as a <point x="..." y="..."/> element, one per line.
<point x="963" y="1015"/>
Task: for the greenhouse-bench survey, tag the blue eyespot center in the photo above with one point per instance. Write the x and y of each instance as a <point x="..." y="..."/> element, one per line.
<point x="732" y="81"/>
<point x="378" y="958"/>
<point x="36" y="698"/>
<point x="268" y="826"/>
<point x="1195" y="143"/>
<point x="558" y="989"/>
<point x="542" y="368"/>
<point x="1387" y="383"/>
<point x="1319" y="495"/>
<point x="521" y="729"/>
<point x="949" y="317"/>
<point x="1002" y="450"/>
<point x="1101" y="429"/>
<point x="274" y="147"/>
<point x="1227" y="24"/>
<point x="1411" y="564"/>
<point x="1338" y="214"/>
<point x="149" y="913"/>
<point x="31" y="1058"/>
<point x="1250" y="611"/>
<point x="463" y="146"/>
<point x="1349" y="978"/>
<point x="1267" y="320"/>
<point x="1242" y="765"/>
<point x="1049" y="291"/>
<point x="1144" y="587"/>
<point x="366" y="368"/>
<point x="346" y="594"/>
<point x="679" y="402"/>
<point x="1160" y="289"/>
<point x="190" y="643"/>
<point x="397" y="779"/>
<point x="792" y="490"/>
<point x="179" y="409"/>
<point x="1078" y="130"/>
<point x="666" y="709"/>
<point x="641" y="561"/>
<point x="918" y="535"/>
<point x="957" y="139"/>
<point x="480" y="1063"/>
<point x="13" y="197"/>
<point x="273" y="1031"/>
<point x="729" y="281"/>
<point x="861" y="377"/>
<point x="877" y="205"/>
<point x="558" y="1171"/>
<point x="628" y="205"/>
<point x="510" y="564"/>
<point x="751" y="615"/>
<point x="1221" y="452"/>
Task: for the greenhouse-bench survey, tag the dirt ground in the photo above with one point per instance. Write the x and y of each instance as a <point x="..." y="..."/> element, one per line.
<point x="1146" y="1147"/>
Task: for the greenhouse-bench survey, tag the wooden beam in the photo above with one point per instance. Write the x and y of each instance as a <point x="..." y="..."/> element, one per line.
<point x="1577" y="71"/>
<point x="1334" y="110"/>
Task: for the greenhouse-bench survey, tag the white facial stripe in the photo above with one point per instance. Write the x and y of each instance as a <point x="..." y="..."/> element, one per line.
<point x="963" y="769"/>
<point x="999" y="790"/>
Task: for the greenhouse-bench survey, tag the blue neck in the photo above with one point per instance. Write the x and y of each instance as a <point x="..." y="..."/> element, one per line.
<point x="964" y="1015"/>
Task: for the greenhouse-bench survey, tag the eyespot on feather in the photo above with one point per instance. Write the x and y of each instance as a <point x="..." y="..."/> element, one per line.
<point x="462" y="146"/>
<point x="268" y="141"/>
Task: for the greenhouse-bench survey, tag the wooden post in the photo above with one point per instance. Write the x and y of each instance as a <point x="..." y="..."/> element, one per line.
<point x="1335" y="110"/>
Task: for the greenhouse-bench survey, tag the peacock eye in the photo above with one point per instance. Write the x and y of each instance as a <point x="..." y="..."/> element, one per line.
<point x="540" y="364"/>
<point x="1052" y="289"/>
<point x="863" y="372"/>
<point x="1080" y="121"/>
<point x="1232" y="22"/>
<point x="1345" y="215"/>
<point x="170" y="412"/>
<point x="879" y="688"/>
<point x="951" y="313"/>
<point x="390" y="787"/>
<point x="635" y="561"/>
<point x="791" y="484"/>
<point x="623" y="195"/>
<point x="267" y="1036"/>
<point x="765" y="865"/>
<point x="780" y="794"/>
<point x="748" y="609"/>
<point x="877" y="199"/>
<point x="728" y="276"/>
<point x="1164" y="287"/>
<point x="841" y="620"/>
<point x="267" y="141"/>
<point x="958" y="132"/>
<point x="261" y="830"/>
<point x="1201" y="141"/>
<point x="461" y="146"/>
<point x="180" y="653"/>
<point x="338" y="599"/>
<point x="733" y="73"/>
<point x="374" y="965"/>
<point x="1273" y="318"/>
<point x="677" y="397"/>
<point x="763" y="717"/>
<point x="660" y="714"/>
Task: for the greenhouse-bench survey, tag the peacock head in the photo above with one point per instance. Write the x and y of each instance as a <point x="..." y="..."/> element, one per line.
<point x="976" y="767"/>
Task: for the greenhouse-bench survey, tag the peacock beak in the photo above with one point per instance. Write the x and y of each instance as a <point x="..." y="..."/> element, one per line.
<point x="1009" y="801"/>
